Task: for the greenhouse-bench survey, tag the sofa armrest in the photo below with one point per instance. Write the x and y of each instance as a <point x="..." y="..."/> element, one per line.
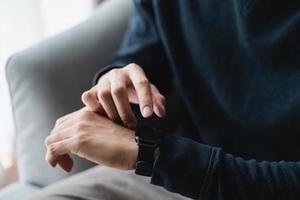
<point x="46" y="82"/>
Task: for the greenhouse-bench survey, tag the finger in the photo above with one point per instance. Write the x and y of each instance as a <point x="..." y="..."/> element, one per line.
<point x="132" y="95"/>
<point x="65" y="162"/>
<point x="50" y="159"/>
<point x="106" y="100"/>
<point x="55" y="150"/>
<point x="59" y="134"/>
<point x="160" y="97"/>
<point x="66" y="126"/>
<point x="142" y="88"/>
<point x="66" y="117"/>
<point x="120" y="97"/>
<point x="90" y="100"/>
<point x="159" y="109"/>
<point x="159" y="102"/>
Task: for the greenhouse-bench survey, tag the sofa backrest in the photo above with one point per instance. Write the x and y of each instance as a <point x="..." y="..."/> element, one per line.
<point x="47" y="80"/>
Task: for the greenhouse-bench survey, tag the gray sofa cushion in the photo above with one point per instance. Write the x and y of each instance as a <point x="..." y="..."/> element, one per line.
<point x="103" y="183"/>
<point x="17" y="191"/>
<point x="46" y="82"/>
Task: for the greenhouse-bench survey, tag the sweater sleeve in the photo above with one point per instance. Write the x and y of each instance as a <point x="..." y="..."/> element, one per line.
<point x="142" y="45"/>
<point x="202" y="172"/>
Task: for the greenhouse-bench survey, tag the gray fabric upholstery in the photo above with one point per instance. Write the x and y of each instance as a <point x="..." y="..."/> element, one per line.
<point x="46" y="82"/>
<point x="17" y="191"/>
<point x="102" y="183"/>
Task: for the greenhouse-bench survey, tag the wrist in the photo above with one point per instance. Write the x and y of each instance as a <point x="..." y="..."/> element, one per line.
<point x="148" y="140"/>
<point x="133" y="154"/>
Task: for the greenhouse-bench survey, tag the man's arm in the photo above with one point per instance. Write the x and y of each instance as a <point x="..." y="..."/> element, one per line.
<point x="142" y="45"/>
<point x="115" y="89"/>
<point x="182" y="166"/>
<point x="203" y="172"/>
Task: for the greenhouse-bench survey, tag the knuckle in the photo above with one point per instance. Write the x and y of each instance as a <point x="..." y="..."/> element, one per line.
<point x="81" y="139"/>
<point x="114" y="71"/>
<point x="118" y="91"/>
<point x="143" y="82"/>
<point x="103" y="79"/>
<point x="104" y="93"/>
<point x="86" y="96"/>
<point x="52" y="150"/>
<point x="80" y="127"/>
<point x="114" y="74"/>
<point x="132" y="66"/>
<point x="86" y="115"/>
<point x="58" y="121"/>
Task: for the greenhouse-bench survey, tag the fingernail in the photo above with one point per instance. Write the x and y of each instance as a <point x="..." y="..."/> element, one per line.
<point x="147" y="112"/>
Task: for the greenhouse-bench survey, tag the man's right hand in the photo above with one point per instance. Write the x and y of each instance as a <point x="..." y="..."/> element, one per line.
<point x="118" y="88"/>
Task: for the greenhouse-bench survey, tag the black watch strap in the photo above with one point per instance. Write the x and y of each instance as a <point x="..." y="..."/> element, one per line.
<point x="144" y="164"/>
<point x="148" y="139"/>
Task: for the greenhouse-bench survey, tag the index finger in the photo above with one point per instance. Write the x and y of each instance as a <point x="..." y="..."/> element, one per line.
<point x="142" y="88"/>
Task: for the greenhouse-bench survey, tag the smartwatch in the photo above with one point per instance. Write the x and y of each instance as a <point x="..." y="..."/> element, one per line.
<point x="148" y="139"/>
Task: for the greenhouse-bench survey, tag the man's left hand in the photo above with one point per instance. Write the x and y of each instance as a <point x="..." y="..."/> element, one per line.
<point x="93" y="137"/>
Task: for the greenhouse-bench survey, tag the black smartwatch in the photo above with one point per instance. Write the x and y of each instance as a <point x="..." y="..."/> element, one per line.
<point x="148" y="139"/>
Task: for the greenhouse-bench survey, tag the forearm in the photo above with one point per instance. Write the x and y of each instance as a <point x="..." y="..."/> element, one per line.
<point x="142" y="45"/>
<point x="202" y="172"/>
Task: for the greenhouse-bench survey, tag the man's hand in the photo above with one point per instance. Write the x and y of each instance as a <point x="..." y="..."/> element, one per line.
<point x="120" y="87"/>
<point x="93" y="137"/>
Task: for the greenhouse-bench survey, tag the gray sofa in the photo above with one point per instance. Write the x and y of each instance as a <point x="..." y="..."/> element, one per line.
<point x="46" y="82"/>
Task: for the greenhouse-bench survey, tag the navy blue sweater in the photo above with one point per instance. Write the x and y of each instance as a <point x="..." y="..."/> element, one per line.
<point x="237" y="66"/>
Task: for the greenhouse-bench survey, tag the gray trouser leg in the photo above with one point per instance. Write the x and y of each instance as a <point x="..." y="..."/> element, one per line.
<point x="102" y="183"/>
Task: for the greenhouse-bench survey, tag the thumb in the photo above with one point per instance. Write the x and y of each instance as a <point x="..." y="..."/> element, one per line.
<point x="90" y="100"/>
